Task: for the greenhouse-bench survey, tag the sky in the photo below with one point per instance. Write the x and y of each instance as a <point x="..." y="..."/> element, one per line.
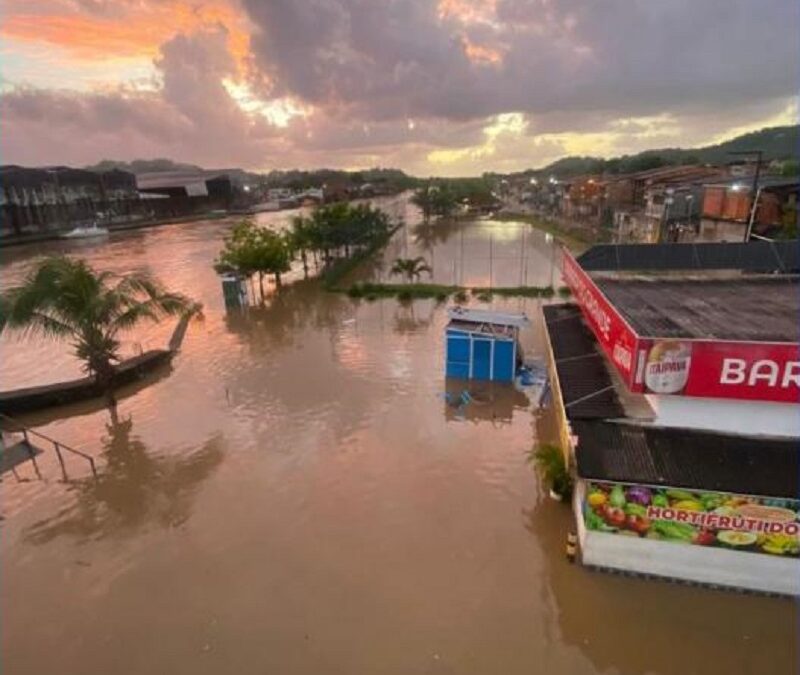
<point x="434" y="87"/>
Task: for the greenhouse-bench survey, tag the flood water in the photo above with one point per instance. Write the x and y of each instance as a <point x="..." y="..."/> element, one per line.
<point x="294" y="495"/>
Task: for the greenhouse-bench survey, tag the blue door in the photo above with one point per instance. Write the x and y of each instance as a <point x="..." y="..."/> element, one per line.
<point x="481" y="359"/>
<point x="458" y="354"/>
<point x="503" y="361"/>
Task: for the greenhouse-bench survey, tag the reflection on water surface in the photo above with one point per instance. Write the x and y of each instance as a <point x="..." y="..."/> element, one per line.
<point x="296" y="496"/>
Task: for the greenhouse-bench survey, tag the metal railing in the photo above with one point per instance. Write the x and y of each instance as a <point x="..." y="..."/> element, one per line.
<point x="58" y="446"/>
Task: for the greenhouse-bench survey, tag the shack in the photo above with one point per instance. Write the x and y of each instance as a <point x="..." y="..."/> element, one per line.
<point x="483" y="345"/>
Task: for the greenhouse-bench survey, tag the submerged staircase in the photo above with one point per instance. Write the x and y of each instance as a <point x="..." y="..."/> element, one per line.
<point x="20" y="444"/>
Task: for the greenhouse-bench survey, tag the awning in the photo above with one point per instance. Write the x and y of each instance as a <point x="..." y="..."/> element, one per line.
<point x="687" y="458"/>
<point x="586" y="386"/>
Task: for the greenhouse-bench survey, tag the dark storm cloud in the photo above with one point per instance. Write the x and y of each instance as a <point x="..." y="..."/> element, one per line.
<point x="191" y="113"/>
<point x="400" y="58"/>
<point x="390" y="81"/>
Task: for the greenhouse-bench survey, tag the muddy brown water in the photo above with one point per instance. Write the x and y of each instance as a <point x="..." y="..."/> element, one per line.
<point x="294" y="495"/>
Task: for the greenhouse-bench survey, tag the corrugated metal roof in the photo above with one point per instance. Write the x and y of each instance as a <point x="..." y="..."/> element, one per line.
<point x="762" y="256"/>
<point x="489" y="317"/>
<point x="753" y="309"/>
<point x="586" y="386"/>
<point x="687" y="458"/>
<point x="173" y="179"/>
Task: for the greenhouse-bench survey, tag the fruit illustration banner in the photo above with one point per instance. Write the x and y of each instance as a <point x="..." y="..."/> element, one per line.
<point x="723" y="520"/>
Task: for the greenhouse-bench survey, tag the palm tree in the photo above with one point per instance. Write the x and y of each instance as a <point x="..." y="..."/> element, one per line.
<point x="411" y="268"/>
<point x="65" y="299"/>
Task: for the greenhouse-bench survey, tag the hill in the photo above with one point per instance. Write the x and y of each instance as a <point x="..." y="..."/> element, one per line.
<point x="142" y="165"/>
<point x="776" y="143"/>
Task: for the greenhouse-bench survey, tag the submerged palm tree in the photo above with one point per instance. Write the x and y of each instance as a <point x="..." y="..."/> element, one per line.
<point x="65" y="299"/>
<point x="411" y="268"/>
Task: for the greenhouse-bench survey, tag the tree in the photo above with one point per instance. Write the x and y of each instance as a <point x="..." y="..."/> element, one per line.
<point x="253" y="250"/>
<point x="65" y="299"/>
<point x="791" y="167"/>
<point x="302" y="239"/>
<point x="445" y="201"/>
<point x="276" y="254"/>
<point x="410" y="268"/>
<point x="423" y="198"/>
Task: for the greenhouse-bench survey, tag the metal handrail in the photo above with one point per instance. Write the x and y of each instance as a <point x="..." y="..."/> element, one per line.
<point x="58" y="446"/>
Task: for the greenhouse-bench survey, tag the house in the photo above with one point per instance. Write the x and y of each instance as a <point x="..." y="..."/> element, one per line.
<point x="585" y="198"/>
<point x="658" y="204"/>
<point x="727" y="209"/>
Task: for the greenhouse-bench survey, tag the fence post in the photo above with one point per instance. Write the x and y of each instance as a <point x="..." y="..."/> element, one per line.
<point x="60" y="461"/>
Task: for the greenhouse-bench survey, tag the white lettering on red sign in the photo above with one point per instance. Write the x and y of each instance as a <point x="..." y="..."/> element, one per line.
<point x="587" y="300"/>
<point x="623" y="356"/>
<point x="764" y="371"/>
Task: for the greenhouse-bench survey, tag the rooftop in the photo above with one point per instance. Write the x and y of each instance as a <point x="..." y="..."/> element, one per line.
<point x="687" y="458"/>
<point x="173" y="179"/>
<point x="755" y="256"/>
<point x="587" y="389"/>
<point x="751" y="309"/>
<point x="484" y="316"/>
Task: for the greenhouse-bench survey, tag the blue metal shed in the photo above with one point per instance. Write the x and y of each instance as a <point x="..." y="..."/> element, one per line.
<point x="482" y="345"/>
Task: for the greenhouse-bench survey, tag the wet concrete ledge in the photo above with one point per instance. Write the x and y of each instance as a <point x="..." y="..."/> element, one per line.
<point x="31" y="399"/>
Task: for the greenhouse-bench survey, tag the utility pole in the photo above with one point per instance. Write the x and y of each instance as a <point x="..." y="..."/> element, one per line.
<point x="754" y="190"/>
<point x="491" y="236"/>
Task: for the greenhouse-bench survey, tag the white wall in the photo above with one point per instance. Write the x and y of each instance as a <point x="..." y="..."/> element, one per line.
<point x="728" y="415"/>
<point x="754" y="571"/>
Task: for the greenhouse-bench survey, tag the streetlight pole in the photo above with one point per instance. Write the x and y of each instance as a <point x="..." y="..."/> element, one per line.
<point x="755" y="191"/>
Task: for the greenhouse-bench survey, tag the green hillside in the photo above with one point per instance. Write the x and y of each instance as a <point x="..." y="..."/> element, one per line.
<point x="776" y="143"/>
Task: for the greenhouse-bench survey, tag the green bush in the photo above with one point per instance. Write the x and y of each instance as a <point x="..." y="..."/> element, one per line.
<point x="550" y="460"/>
<point x="355" y="291"/>
<point x="460" y="297"/>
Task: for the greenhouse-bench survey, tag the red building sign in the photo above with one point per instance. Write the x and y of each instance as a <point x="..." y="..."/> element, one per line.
<point x="615" y="336"/>
<point x="756" y="371"/>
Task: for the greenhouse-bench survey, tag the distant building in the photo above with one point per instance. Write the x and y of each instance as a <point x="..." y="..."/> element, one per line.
<point x="186" y="184"/>
<point x="52" y="198"/>
<point x="179" y="193"/>
<point x="727" y="209"/>
<point x="585" y="198"/>
<point x="660" y="204"/>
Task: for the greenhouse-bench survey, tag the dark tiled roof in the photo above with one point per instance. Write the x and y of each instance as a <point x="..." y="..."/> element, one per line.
<point x="581" y="367"/>
<point x="618" y="451"/>
<point x="758" y="309"/>
<point x="755" y="256"/>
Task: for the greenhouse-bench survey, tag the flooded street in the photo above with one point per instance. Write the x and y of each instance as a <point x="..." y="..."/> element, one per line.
<point x="294" y="496"/>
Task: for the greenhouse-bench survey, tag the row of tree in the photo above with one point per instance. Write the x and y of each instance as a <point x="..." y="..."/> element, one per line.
<point x="444" y="197"/>
<point x="329" y="233"/>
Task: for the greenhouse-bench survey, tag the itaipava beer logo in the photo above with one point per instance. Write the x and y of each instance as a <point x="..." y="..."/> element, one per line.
<point x="667" y="368"/>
